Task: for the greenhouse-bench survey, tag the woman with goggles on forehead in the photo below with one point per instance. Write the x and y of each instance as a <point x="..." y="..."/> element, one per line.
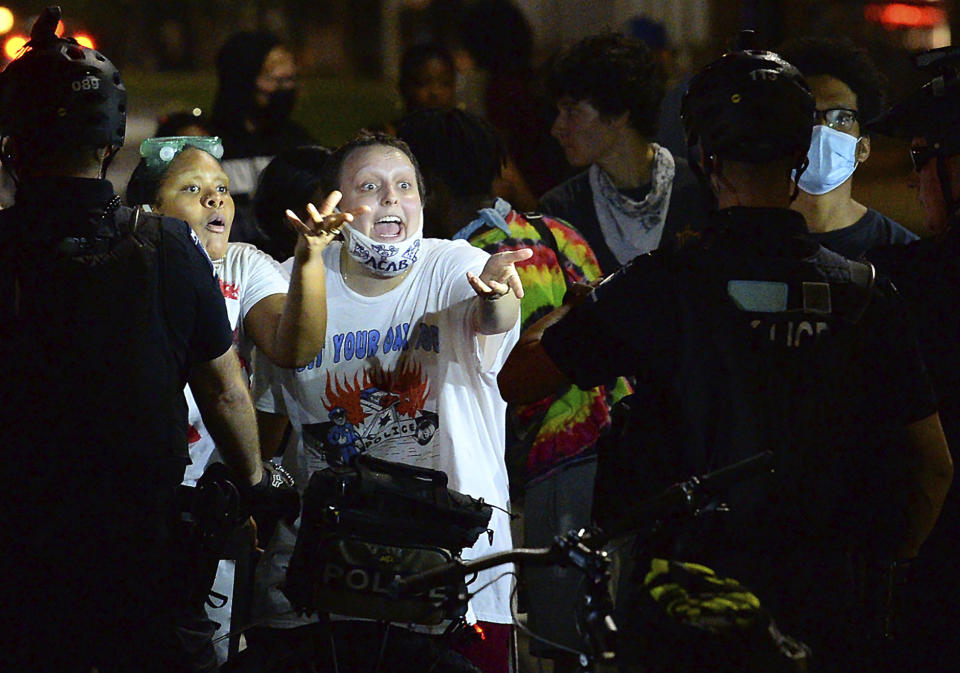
<point x="283" y="317"/>
<point x="848" y="92"/>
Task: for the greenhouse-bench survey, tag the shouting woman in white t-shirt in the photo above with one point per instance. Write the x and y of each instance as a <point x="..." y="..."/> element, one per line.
<point x="417" y="331"/>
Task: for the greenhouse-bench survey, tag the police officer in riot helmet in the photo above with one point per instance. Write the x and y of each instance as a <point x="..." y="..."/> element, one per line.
<point x="764" y="340"/>
<point x="105" y="314"/>
<point x="927" y="274"/>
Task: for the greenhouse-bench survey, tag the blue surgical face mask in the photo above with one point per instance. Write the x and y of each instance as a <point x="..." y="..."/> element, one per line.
<point x="833" y="159"/>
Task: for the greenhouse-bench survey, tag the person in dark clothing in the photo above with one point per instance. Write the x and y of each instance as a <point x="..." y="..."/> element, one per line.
<point x="848" y="90"/>
<point x="256" y="92"/>
<point x="927" y="273"/>
<point x="500" y="42"/>
<point x="764" y="340"/>
<point x="105" y="314"/>
<point x="428" y="78"/>
<point x="635" y="196"/>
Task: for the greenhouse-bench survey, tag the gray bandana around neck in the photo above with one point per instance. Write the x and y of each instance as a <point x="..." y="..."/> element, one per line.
<point x="629" y="227"/>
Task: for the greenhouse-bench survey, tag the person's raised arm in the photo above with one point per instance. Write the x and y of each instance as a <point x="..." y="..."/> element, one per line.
<point x="930" y="472"/>
<point x="499" y="291"/>
<point x="220" y="389"/>
<point x="290" y="329"/>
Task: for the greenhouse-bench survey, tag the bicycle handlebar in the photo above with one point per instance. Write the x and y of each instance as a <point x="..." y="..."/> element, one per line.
<point x="570" y="549"/>
<point x="582" y="548"/>
<point x="457" y="569"/>
<point x="685" y="497"/>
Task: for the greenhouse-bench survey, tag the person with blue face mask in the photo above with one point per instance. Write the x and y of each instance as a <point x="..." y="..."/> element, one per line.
<point x="848" y="91"/>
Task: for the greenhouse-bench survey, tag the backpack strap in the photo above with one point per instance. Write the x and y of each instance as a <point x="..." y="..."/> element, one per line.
<point x="536" y="221"/>
<point x="863" y="278"/>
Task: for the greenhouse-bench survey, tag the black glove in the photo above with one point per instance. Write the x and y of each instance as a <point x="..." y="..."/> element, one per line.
<point x="274" y="498"/>
<point x="215" y="506"/>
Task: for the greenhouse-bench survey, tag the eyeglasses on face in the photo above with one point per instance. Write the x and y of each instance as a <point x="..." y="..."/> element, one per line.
<point x="838" y="118"/>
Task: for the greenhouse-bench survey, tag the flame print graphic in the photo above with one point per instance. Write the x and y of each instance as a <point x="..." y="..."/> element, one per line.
<point x="408" y="385"/>
<point x="347" y="396"/>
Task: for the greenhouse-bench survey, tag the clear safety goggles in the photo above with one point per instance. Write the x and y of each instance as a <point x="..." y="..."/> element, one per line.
<point x="158" y="152"/>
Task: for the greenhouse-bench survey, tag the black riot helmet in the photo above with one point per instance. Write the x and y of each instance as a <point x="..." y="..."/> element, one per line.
<point x="749" y="105"/>
<point x="933" y="113"/>
<point x="59" y="94"/>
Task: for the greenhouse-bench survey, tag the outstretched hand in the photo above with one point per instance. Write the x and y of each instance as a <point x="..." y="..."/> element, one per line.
<point x="499" y="275"/>
<point x="324" y="223"/>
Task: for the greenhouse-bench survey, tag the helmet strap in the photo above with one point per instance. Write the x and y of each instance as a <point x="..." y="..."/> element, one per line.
<point x="8" y="160"/>
<point x="729" y="186"/>
<point x="703" y="177"/>
<point x="108" y="158"/>
<point x="799" y="168"/>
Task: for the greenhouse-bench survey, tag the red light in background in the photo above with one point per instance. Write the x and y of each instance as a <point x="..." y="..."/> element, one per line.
<point x="902" y="15"/>
<point x="84" y="40"/>
<point x="13" y="45"/>
<point x="59" y="30"/>
<point x="479" y="631"/>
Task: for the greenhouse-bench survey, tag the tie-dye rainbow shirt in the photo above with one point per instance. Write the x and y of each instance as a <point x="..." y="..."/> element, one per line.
<point x="574" y="421"/>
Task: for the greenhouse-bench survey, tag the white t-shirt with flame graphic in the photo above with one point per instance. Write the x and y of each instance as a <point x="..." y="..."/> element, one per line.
<point x="404" y="377"/>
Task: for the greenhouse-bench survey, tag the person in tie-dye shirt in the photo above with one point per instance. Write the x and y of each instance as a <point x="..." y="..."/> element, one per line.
<point x="554" y="439"/>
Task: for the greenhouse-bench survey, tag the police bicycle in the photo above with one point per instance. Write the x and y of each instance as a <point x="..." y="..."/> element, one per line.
<point x="584" y="551"/>
<point x="443" y="586"/>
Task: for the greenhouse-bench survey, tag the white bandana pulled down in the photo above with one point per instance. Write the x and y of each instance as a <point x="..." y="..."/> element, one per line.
<point x="382" y="259"/>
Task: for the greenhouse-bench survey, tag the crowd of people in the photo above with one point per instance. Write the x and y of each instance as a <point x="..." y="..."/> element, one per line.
<point x="561" y="342"/>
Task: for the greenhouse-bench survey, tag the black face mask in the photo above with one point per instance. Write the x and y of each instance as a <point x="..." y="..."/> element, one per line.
<point x="277" y="110"/>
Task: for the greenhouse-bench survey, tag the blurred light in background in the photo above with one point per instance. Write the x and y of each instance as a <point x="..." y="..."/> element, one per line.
<point x="899" y="15"/>
<point x="59" y="29"/>
<point x="84" y="40"/>
<point x="6" y="20"/>
<point x="924" y="23"/>
<point x="13" y="45"/>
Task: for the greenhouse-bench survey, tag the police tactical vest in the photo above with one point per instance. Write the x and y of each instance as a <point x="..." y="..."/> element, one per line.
<point x="84" y="344"/>
<point x="773" y="358"/>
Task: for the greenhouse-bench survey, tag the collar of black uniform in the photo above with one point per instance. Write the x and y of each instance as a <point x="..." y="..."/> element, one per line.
<point x="776" y="231"/>
<point x="73" y="206"/>
<point x="775" y="220"/>
<point x="73" y="194"/>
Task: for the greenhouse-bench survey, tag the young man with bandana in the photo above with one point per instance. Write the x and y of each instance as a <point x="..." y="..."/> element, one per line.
<point x="848" y="90"/>
<point x="635" y="196"/>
